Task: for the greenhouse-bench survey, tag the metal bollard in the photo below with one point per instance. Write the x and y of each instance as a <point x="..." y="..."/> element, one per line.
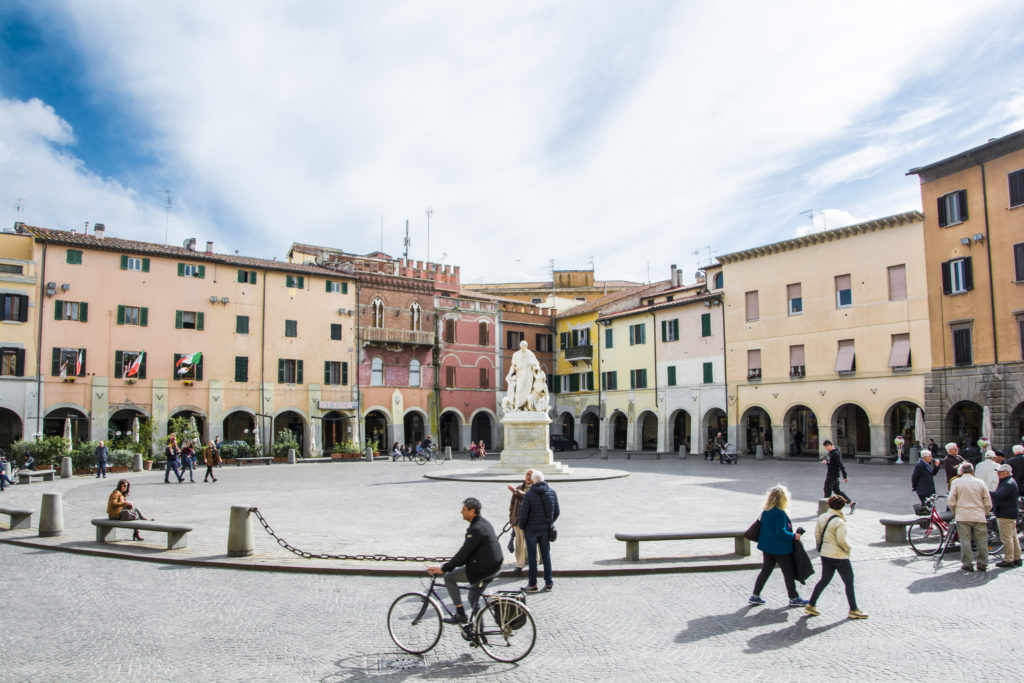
<point x="137" y="463"/>
<point x="682" y="452"/>
<point x="51" y="515"/>
<point x="240" y="531"/>
<point x="65" y="468"/>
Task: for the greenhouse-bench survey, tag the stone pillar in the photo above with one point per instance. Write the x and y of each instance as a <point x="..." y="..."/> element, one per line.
<point x="65" y="467"/>
<point x="466" y="432"/>
<point x="137" y="463"/>
<point x="291" y="456"/>
<point x="240" y="532"/>
<point x="759" y="452"/>
<point x="51" y="515"/>
<point x="682" y="451"/>
<point x="878" y="445"/>
<point x="158" y="416"/>
<point x="99" y="410"/>
<point x="780" y="441"/>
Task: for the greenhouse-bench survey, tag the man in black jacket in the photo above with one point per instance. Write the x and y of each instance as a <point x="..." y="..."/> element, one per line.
<point x="536" y="516"/>
<point x="1004" y="505"/>
<point x="478" y="558"/>
<point x="922" y="479"/>
<point x="834" y="459"/>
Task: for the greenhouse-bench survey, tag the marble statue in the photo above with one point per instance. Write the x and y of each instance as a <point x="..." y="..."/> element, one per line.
<point x="527" y="383"/>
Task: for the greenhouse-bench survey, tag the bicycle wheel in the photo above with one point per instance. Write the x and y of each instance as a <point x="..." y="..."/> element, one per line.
<point x="420" y="460"/>
<point x="995" y="541"/>
<point x="925" y="536"/>
<point x="414" y="623"/>
<point x="505" y="629"/>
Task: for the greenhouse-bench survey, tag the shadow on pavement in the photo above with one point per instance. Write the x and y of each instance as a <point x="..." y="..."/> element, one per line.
<point x="746" y="617"/>
<point x="954" y="580"/>
<point x="401" y="666"/>
<point x="786" y="637"/>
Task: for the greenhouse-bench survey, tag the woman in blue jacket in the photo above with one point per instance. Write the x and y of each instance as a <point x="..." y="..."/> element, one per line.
<point x="776" y="545"/>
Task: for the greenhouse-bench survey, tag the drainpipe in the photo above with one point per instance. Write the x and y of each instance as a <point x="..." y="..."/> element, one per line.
<point x="988" y="252"/>
<point x="263" y="352"/>
<point x="39" y="345"/>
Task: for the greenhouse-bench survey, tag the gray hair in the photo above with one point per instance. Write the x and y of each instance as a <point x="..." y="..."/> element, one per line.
<point x="990" y="454"/>
<point x="537" y="477"/>
<point x="1018" y="449"/>
<point x="951" y="446"/>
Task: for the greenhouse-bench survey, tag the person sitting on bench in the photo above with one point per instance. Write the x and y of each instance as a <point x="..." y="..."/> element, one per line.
<point x="119" y="507"/>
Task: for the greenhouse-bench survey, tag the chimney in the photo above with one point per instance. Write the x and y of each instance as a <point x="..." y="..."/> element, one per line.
<point x="677" y="276"/>
<point x="98" y="230"/>
<point x="209" y="247"/>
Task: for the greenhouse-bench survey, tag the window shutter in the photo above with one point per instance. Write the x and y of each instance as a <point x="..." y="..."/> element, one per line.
<point x="796" y="355"/>
<point x="83" y="312"/>
<point x="753" y="359"/>
<point x="124" y="262"/>
<point x="897" y="282"/>
<point x="947" y="278"/>
<point x="143" y="316"/>
<point x="58" y="309"/>
<point x="199" y="367"/>
<point x="943" y="219"/>
<point x="485" y="380"/>
<point x="202" y="271"/>
<point x="145" y="265"/>
<point x="344" y="288"/>
<point x="83" y="372"/>
<point x="181" y="270"/>
<point x="709" y="373"/>
<point x="752" y="306"/>
<point x="327" y="370"/>
<point x="899" y="354"/>
<point x="119" y="361"/>
<point x="199" y="320"/>
<point x="19" y="362"/>
<point x="298" y="372"/>
<point x="793" y="291"/>
<point x="174" y="368"/>
<point x="961" y="198"/>
<point x="675" y="328"/>
<point x="558" y="384"/>
<point x="845" y="356"/>
<point x="344" y="372"/>
<point x="142" y="366"/>
<point x="177" y="319"/>
<point x="664" y="330"/>
<point x="335" y="331"/>
<point x="705" y="324"/>
<point x="241" y="278"/>
<point x="632" y="335"/>
<point x="120" y="315"/>
<point x="302" y="281"/>
<point x="328" y="285"/>
<point x="280" y="370"/>
<point x="23" y="308"/>
<point x="968" y="274"/>
<point x="608" y="339"/>
<point x="671" y="375"/>
<point x="55" y="369"/>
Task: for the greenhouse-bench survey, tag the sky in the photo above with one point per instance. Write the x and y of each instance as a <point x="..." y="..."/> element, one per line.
<point x="620" y="136"/>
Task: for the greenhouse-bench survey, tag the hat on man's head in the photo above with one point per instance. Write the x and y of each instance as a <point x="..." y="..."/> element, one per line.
<point x="1004" y="468"/>
<point x="990" y="454"/>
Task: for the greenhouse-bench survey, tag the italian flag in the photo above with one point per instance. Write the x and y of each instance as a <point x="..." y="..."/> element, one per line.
<point x="133" y="369"/>
<point x="78" y="364"/>
<point x="187" y="361"/>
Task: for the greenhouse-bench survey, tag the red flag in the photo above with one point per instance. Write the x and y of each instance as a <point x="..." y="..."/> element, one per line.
<point x="78" y="364"/>
<point x="133" y="369"/>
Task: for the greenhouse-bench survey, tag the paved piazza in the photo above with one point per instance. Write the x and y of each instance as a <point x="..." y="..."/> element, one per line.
<point x="76" y="616"/>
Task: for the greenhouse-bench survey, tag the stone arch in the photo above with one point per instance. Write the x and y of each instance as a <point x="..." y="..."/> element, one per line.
<point x="647" y="431"/>
<point x="963" y="424"/>
<point x="122" y="421"/>
<point x="618" y="428"/>
<point x="414" y="426"/>
<point x="802" y="420"/>
<point x="715" y="420"/>
<point x="851" y="429"/>
<point x="54" y="421"/>
<point x="566" y="424"/>
<point x="450" y="428"/>
<point x="680" y="424"/>
<point x="12" y="427"/>
<point x="239" y="424"/>
<point x="482" y="424"/>
<point x="755" y="430"/>
<point x="294" y="420"/>
<point x="590" y="428"/>
<point x="901" y="420"/>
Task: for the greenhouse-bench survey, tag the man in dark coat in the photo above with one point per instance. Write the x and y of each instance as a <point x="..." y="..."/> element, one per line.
<point x="922" y="480"/>
<point x="951" y="462"/>
<point x="1004" y="506"/>
<point x="834" y="460"/>
<point x="101" y="460"/>
<point x="536" y="516"/>
<point x="479" y="558"/>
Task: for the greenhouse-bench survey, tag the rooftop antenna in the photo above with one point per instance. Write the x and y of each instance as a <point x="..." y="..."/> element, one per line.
<point x="406" y="240"/>
<point x="382" y="233"/>
<point x="167" y="213"/>
<point x="430" y="212"/>
<point x="20" y="207"/>
<point x="811" y="213"/>
<point x="648" y="272"/>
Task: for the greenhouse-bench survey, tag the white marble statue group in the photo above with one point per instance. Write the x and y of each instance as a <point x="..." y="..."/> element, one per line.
<point x="527" y="383"/>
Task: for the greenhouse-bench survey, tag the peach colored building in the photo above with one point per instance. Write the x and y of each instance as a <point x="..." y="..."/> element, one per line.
<point x="19" y="307"/>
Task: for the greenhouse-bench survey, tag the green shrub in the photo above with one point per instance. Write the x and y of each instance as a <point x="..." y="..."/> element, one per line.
<point x="234" y="450"/>
<point x="83" y="458"/>
<point x="285" y="440"/>
<point x="121" y="457"/>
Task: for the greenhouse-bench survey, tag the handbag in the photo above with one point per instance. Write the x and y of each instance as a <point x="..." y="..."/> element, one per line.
<point x="753" y="532"/>
<point x="552" y="531"/>
<point x="512" y="543"/>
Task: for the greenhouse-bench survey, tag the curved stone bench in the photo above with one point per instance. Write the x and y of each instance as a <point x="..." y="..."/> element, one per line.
<point x="177" y="534"/>
<point x="20" y="518"/>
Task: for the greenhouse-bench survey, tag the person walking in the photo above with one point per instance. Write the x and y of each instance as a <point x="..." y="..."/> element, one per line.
<point x="119" y="507"/>
<point x="211" y="458"/>
<point x="188" y="455"/>
<point x="922" y="479"/>
<point x="101" y="459"/>
<point x="835" y="557"/>
<point x="514" y="506"/>
<point x="970" y="502"/>
<point x="171" y="453"/>
<point x="834" y="461"/>
<point x="776" y="545"/>
<point x="1006" y="509"/>
<point x="536" y="517"/>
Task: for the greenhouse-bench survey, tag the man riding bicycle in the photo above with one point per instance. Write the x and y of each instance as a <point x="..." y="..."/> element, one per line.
<point x="479" y="558"/>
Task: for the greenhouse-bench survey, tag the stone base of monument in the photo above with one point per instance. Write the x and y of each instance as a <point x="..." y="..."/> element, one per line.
<point x="526" y="445"/>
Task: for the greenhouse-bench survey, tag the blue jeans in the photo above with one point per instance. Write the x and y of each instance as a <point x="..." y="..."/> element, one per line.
<point x="535" y="537"/>
<point x="101" y="468"/>
<point x="4" y="478"/>
<point x="172" y="465"/>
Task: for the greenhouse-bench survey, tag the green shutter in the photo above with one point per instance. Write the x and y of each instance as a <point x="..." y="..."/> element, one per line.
<point x="202" y="272"/>
<point x="302" y="282"/>
<point x="671" y="375"/>
<point x="705" y="324"/>
<point x="280" y="370"/>
<point x="55" y="369"/>
<point x="328" y="285"/>
<point x="83" y="353"/>
<point x="174" y="368"/>
<point x="327" y="372"/>
<point x="118" y="362"/>
<point x="558" y="384"/>
<point x="344" y="372"/>
<point x="664" y="330"/>
<point x="708" y="373"/>
<point x="252" y="279"/>
<point x="607" y="339"/>
<point x="675" y="328"/>
<point x="181" y="270"/>
<point x="199" y="320"/>
<point x="124" y="262"/>
<point x="177" y="319"/>
<point x="199" y="367"/>
<point x="591" y="383"/>
<point x="143" y="316"/>
<point x="58" y="309"/>
<point x="344" y="288"/>
<point x="83" y="312"/>
<point x="120" y="315"/>
<point x="298" y="372"/>
<point x="145" y="269"/>
<point x="241" y="278"/>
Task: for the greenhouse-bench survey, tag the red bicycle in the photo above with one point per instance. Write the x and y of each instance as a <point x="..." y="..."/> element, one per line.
<point x="936" y="533"/>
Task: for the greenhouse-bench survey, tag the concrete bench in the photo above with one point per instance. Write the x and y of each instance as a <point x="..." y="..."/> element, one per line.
<point x="26" y="476"/>
<point x="742" y="544"/>
<point x="865" y="457"/>
<point x="896" y="527"/>
<point x="20" y="519"/>
<point x="266" y="459"/>
<point x="630" y="454"/>
<point x="177" y="534"/>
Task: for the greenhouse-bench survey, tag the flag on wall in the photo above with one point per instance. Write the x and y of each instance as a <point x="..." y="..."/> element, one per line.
<point x="186" y="362"/>
<point x="64" y="370"/>
<point x="78" y="364"/>
<point x="133" y="369"/>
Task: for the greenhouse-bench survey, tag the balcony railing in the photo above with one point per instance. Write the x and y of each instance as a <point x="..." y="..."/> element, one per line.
<point x="386" y="335"/>
<point x="581" y="352"/>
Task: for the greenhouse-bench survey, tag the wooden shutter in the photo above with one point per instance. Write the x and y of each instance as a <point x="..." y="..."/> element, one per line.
<point x="485" y="378"/>
<point x="199" y="367"/>
<point x="344" y="288"/>
<point x="664" y="330"/>
<point x="796" y="355"/>
<point x="344" y="372"/>
<point x="199" y="320"/>
<point x="202" y="272"/>
<point x="752" y="306"/>
<point x="705" y="324"/>
<point x="298" y="372"/>
<point x="118" y="362"/>
<point x="124" y="262"/>
<point x="83" y="372"/>
<point x="943" y="219"/>
<point x="968" y="274"/>
<point x="83" y="312"/>
<point x="961" y="198"/>
<point x="327" y="372"/>
<point x="449" y="376"/>
<point x="328" y="285"/>
<point x="608" y="339"/>
<point x="120" y="315"/>
<point x="22" y="308"/>
<point x="845" y="356"/>
<point x="280" y="370"/>
<point x="899" y="356"/>
<point x="142" y="366"/>
<point x="55" y="368"/>
<point x="709" y="373"/>
<point x="671" y="375"/>
<point x="144" y="316"/>
<point x="241" y="368"/>
<point x="947" y="278"/>
<point x="898" y="282"/>
<point x="241" y="277"/>
<point x="19" y="362"/>
<point x="558" y="383"/>
<point x="174" y="368"/>
<point x="145" y="265"/>
<point x="181" y="270"/>
<point x="177" y="319"/>
<point x="58" y="309"/>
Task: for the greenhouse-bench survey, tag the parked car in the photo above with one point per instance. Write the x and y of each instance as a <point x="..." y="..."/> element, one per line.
<point x="562" y="443"/>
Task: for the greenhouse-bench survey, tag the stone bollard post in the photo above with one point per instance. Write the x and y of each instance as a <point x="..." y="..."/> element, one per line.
<point x="291" y="456"/>
<point x="822" y="506"/>
<point x="137" y="463"/>
<point x="915" y="455"/>
<point x="369" y="454"/>
<point x="604" y="452"/>
<point x="448" y="453"/>
<point x="759" y="452"/>
<point x="240" y="532"/>
<point x="65" y="467"/>
<point x="51" y="515"/>
<point x="682" y="452"/>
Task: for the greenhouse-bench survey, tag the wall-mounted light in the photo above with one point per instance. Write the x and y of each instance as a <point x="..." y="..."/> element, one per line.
<point x="224" y="300"/>
<point x="978" y="237"/>
<point x="65" y="287"/>
<point x="51" y="288"/>
<point x="707" y="304"/>
<point x="966" y="241"/>
<point x="213" y="299"/>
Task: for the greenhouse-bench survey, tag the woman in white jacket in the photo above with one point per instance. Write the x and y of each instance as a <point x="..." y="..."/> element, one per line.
<point x="835" y="556"/>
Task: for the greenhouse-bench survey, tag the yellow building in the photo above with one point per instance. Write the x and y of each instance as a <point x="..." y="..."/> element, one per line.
<point x="568" y="289"/>
<point x="827" y="337"/>
<point x="974" y="251"/>
<point x="19" y="290"/>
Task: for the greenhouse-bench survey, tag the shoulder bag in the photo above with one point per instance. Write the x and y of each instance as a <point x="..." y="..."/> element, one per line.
<point x="552" y="531"/>
<point x="753" y="532"/>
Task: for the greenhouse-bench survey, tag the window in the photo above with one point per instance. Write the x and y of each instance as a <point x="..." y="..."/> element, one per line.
<point x="241" y="368"/>
<point x="378" y="312"/>
<point x="536" y="300"/>
<point x="241" y="324"/>
<point x="134" y="263"/>
<point x="963" y="353"/>
<point x="752" y="306"/>
<point x="130" y="364"/>
<point x="709" y="373"/>
<point x="332" y="372"/>
<point x="191" y="270"/>
<point x="75" y="256"/>
<point x="670" y="330"/>
<point x="671" y="375"/>
<point x="512" y="339"/>
<point x="705" y="324"/>
<point x="485" y="378"/>
<point x="609" y="338"/>
<point x="12" y="269"/>
<point x="581" y="298"/>
<point x="68" y="362"/>
<point x="952" y="208"/>
<point x="289" y="371"/>
<point x="414" y="373"/>
<point x="15" y="307"/>
<point x="188" y="366"/>
<point x="1016" y="188"/>
<point x="844" y="291"/>
<point x="719" y="280"/>
<point x="638" y="379"/>
<point x="449" y="376"/>
<point x="898" y="283"/>
<point x="133" y="315"/>
<point x="12" y="362"/>
<point x="485" y="334"/>
<point x="795" y="296"/>
<point x="1018" y="262"/>
<point x="337" y="287"/>
<point x="294" y="281"/>
<point x="544" y="342"/>
<point x="586" y="381"/>
<point x="415" y="317"/>
<point x="796" y="361"/>
<point x="449" y="330"/>
<point x="335" y="331"/>
<point x="377" y="372"/>
<point x="247" y="277"/>
<point x="846" y="359"/>
<point x="1020" y="331"/>
<point x="753" y="363"/>
<point x="957" y="276"/>
<point x="638" y="334"/>
<point x="574" y="381"/>
<point x="291" y="328"/>
<point x="899" y="353"/>
<point x="609" y="380"/>
<point x="70" y="310"/>
<point x="188" y="320"/>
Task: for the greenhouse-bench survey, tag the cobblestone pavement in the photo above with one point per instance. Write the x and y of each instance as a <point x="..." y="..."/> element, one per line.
<point x="75" y="617"/>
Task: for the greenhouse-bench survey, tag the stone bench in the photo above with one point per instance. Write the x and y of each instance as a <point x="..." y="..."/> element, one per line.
<point x="26" y="476"/>
<point x="177" y="534"/>
<point x="865" y="457"/>
<point x="266" y="459"/>
<point x="630" y="454"/>
<point x="20" y="519"/>
<point x="896" y="527"/>
<point x="742" y="544"/>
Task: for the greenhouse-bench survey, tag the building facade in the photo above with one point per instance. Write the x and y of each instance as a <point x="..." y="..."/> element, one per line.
<point x="20" y="402"/>
<point x="567" y="289"/>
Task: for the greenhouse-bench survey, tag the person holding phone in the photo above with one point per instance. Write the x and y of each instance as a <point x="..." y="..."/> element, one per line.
<point x="776" y="545"/>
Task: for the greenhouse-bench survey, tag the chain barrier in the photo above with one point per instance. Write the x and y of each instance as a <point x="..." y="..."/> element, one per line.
<point x="380" y="557"/>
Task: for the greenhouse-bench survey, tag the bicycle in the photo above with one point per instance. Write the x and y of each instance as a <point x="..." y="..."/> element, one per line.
<point x="430" y="454"/>
<point x="503" y="627"/>
<point x="937" y="533"/>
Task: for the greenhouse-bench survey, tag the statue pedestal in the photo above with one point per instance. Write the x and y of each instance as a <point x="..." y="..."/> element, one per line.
<point x="526" y="445"/>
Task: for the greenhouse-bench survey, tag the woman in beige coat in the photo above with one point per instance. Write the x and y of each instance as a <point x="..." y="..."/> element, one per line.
<point x="835" y="556"/>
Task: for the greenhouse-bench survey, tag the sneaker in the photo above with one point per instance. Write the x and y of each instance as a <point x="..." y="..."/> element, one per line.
<point x="458" y="618"/>
<point x="530" y="589"/>
<point x="857" y="614"/>
<point x="1004" y="563"/>
<point x="811" y="610"/>
<point x="853" y="506"/>
<point x="547" y="588"/>
<point x="756" y="600"/>
<point x="967" y="567"/>
<point x="797" y="602"/>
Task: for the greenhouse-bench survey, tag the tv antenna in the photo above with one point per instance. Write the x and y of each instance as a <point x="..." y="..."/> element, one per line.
<point x="811" y="213"/>
<point x="430" y="212"/>
<point x="406" y="241"/>
<point x="167" y="212"/>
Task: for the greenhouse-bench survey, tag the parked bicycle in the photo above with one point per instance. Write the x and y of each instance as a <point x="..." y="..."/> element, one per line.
<point x="503" y="627"/>
<point x="936" y="533"/>
<point x="429" y="455"/>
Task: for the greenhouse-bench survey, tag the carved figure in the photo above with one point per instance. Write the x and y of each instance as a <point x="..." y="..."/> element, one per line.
<point x="525" y="381"/>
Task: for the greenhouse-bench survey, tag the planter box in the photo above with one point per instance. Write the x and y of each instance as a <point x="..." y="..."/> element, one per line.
<point x="147" y="464"/>
<point x="345" y="456"/>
